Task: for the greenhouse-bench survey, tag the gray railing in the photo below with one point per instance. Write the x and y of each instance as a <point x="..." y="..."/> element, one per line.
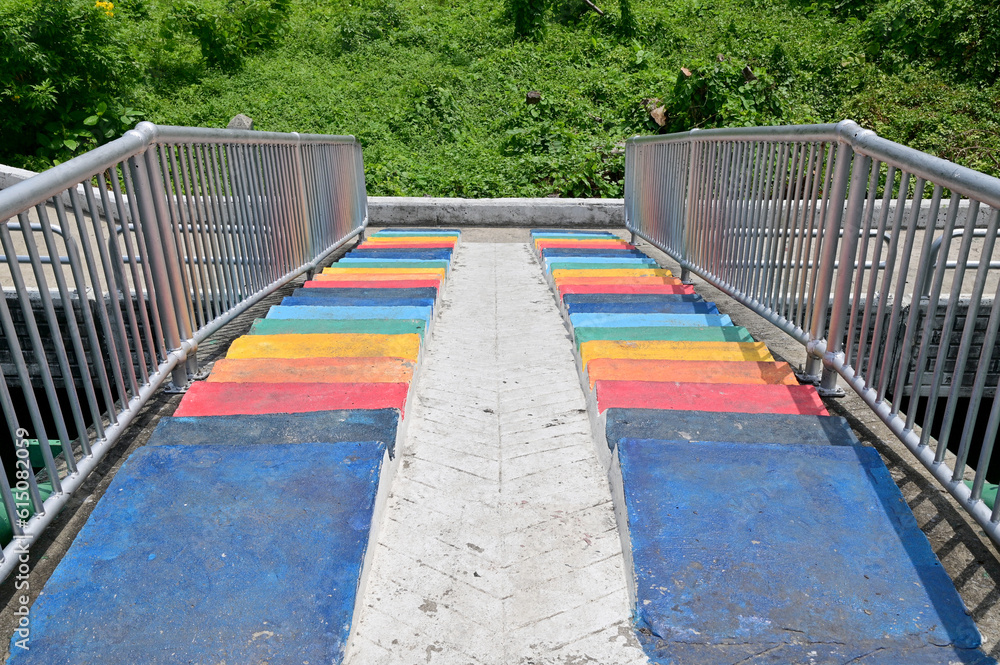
<point x="122" y="261"/>
<point x="828" y="232"/>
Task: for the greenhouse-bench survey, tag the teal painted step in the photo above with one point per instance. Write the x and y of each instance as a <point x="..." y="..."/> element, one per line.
<point x="350" y="261"/>
<point x="646" y="320"/>
<point x="214" y="554"/>
<point x="335" y="326"/>
<point x="610" y="265"/>
<point x="417" y="232"/>
<point x="306" y="312"/>
<point x="665" y="333"/>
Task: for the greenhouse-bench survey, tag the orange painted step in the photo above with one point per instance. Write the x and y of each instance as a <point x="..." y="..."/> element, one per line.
<point x="624" y="288"/>
<point x="715" y="397"/>
<point x="230" y="399"/>
<point x="692" y="371"/>
<point x="311" y="370"/>
<point x="616" y="281"/>
<point x="373" y="284"/>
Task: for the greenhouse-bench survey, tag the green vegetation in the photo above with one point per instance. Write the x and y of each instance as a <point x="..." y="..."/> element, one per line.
<point x="435" y="89"/>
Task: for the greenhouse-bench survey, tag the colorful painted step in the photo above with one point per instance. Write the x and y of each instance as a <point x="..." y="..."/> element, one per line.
<point x="671" y="350"/>
<point x="690" y="371"/>
<point x="626" y="273"/>
<point x="365" y="283"/>
<point x="342" y="426"/>
<point x="716" y="397"/>
<point x="337" y="345"/>
<point x="386" y="273"/>
<point x="618" y="281"/>
<point x="549" y="254"/>
<point x="603" y="320"/>
<point x="417" y="231"/>
<point x="702" y="307"/>
<point x="409" y="254"/>
<point x="322" y="298"/>
<point x="630" y="298"/>
<point x="573" y="232"/>
<point x="595" y="243"/>
<point x="666" y="333"/>
<point x="596" y="264"/>
<point x="805" y="553"/>
<point x="749" y="428"/>
<point x="564" y="289"/>
<point x="365" y="369"/>
<point x="377" y="240"/>
<point x="305" y="312"/>
<point x="361" y="262"/>
<point x="406" y="243"/>
<point x="335" y="291"/>
<point x="232" y="553"/>
<point x="204" y="398"/>
<point x="331" y="326"/>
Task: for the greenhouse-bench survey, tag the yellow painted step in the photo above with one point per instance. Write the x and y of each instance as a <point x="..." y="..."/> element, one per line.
<point x="561" y="274"/>
<point x="340" y="345"/>
<point x="408" y="240"/>
<point x="333" y="270"/>
<point x="665" y="350"/>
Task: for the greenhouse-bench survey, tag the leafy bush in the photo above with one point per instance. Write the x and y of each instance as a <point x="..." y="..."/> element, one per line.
<point x="232" y="31"/>
<point x="722" y="94"/>
<point x="65" y="79"/>
<point x="528" y="17"/>
<point x="959" y="35"/>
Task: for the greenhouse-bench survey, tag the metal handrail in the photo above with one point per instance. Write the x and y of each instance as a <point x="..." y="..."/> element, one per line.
<point x="218" y="219"/>
<point x="718" y="202"/>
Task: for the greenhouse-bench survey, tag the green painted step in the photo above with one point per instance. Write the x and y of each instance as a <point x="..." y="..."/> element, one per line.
<point x="666" y="333"/>
<point x="330" y="326"/>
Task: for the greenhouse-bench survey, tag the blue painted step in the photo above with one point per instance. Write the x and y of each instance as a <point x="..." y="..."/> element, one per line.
<point x="342" y="426"/>
<point x="211" y="554"/>
<point x="361" y="262"/>
<point x="408" y="254"/>
<point x="329" y="300"/>
<point x="573" y="298"/>
<point x="732" y="427"/>
<point x="639" y="320"/>
<point x="642" y="308"/>
<point x="571" y="262"/>
<point x="309" y="312"/>
<point x="334" y="292"/>
<point x="807" y="554"/>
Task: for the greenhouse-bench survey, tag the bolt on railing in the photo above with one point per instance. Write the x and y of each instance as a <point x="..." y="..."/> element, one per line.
<point x="815" y="229"/>
<point x="139" y="250"/>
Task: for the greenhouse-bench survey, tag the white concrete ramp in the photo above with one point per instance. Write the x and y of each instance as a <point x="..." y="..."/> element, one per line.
<point x="500" y="544"/>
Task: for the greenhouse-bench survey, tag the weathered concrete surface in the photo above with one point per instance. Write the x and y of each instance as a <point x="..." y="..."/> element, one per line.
<point x="971" y="560"/>
<point x="500" y="545"/>
<point x="413" y="211"/>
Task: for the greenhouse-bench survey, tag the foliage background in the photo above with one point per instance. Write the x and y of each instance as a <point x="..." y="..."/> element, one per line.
<point x="435" y="89"/>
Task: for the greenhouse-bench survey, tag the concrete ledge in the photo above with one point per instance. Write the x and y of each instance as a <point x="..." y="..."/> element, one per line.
<point x="572" y="213"/>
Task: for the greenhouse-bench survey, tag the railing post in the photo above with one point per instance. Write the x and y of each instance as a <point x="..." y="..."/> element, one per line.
<point x="690" y="187"/>
<point x="824" y="287"/>
<point x="157" y="261"/>
<point x="845" y="277"/>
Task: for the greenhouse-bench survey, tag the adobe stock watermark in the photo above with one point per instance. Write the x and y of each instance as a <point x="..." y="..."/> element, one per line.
<point x="22" y="499"/>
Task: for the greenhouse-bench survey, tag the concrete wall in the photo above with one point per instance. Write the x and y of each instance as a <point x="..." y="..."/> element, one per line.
<point x="412" y="211"/>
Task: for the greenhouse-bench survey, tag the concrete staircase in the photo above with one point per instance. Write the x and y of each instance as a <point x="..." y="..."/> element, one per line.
<point x="219" y="542"/>
<point x="755" y="527"/>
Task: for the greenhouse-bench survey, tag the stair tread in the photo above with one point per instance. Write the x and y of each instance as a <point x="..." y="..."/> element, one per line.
<point x="224" y="399"/>
<point x="718" y="397"/>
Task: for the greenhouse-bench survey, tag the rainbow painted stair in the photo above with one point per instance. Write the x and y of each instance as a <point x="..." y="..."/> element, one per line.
<point x="240" y="533"/>
<point x="755" y="526"/>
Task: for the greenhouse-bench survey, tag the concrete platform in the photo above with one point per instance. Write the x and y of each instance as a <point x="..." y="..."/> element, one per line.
<point x="167" y="571"/>
<point x="710" y="539"/>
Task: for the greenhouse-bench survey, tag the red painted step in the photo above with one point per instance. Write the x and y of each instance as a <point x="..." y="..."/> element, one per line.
<point x="716" y="397"/>
<point x="624" y="288"/>
<point x="372" y="284"/>
<point x="587" y="244"/>
<point x="229" y="399"/>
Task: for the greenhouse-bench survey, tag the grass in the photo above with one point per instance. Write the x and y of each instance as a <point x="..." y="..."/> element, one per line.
<point x="435" y="89"/>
